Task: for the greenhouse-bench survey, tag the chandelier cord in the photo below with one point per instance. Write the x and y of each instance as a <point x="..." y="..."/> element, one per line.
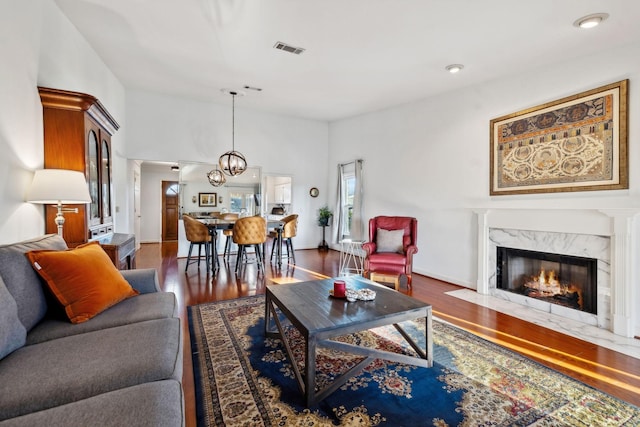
<point x="233" y="121"/>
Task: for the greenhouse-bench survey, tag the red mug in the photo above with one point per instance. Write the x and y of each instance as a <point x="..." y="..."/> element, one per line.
<point x="339" y="288"/>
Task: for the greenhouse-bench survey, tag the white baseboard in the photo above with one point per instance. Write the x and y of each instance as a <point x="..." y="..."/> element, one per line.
<point x="453" y="280"/>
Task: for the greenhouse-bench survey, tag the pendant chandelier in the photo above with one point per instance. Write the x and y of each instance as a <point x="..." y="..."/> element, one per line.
<point x="233" y="162"/>
<point x="216" y="177"/>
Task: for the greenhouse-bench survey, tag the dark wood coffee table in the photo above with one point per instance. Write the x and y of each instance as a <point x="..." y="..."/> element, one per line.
<point x="319" y="317"/>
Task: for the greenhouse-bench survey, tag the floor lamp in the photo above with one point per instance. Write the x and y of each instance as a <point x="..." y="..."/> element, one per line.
<point x="59" y="187"/>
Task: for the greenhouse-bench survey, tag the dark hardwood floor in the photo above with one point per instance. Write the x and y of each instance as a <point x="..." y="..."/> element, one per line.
<point x="606" y="370"/>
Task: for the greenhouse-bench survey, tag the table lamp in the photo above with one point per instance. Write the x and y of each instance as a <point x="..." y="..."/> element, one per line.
<point x="59" y="187"/>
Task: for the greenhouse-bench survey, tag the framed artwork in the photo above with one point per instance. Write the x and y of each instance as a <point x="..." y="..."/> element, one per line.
<point x="577" y="143"/>
<point x="208" y="199"/>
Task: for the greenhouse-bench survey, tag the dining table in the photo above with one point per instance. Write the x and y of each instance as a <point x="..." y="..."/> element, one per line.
<point x="215" y="224"/>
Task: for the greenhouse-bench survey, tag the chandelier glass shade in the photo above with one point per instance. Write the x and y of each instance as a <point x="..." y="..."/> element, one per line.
<point x="232" y="162"/>
<point x="216" y="177"/>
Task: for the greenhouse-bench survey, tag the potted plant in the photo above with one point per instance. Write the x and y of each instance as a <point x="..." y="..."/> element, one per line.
<point x="324" y="214"/>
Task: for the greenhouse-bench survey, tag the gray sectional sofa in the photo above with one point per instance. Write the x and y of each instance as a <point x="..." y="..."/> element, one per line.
<point x="120" y="368"/>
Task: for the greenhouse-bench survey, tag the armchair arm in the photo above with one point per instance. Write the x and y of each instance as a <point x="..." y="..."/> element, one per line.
<point x="369" y="247"/>
<point x="411" y="250"/>
<point x="144" y="280"/>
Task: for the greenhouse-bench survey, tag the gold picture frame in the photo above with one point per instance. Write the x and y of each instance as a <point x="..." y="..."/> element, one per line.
<point x="577" y="143"/>
<point x="208" y="199"/>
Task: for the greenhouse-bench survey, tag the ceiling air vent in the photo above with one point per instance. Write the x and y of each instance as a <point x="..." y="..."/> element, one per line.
<point x="289" y="48"/>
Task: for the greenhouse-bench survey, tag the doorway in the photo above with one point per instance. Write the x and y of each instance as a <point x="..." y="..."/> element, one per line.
<point x="170" y="210"/>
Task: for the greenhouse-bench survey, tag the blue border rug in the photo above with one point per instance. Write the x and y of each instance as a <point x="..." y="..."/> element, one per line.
<point x="243" y="378"/>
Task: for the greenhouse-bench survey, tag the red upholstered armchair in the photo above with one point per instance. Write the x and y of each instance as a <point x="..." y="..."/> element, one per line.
<point x="397" y="253"/>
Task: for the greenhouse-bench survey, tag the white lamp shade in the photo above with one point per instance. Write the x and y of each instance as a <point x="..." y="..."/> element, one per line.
<point x="59" y="186"/>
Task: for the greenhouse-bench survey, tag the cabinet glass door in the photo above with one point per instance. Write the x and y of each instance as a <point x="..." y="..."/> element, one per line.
<point x="93" y="178"/>
<point x="106" y="181"/>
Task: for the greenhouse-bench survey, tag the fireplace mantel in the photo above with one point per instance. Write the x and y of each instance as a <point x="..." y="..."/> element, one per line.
<point x="616" y="224"/>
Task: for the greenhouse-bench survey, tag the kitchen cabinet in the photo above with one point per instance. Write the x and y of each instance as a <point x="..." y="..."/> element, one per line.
<point x="77" y="136"/>
<point x="282" y="193"/>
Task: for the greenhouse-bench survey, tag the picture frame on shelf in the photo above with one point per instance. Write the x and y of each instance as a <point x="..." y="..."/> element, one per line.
<point x="577" y="143"/>
<point x="208" y="199"/>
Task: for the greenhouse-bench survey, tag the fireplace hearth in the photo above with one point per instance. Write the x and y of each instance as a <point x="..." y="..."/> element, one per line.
<point x="565" y="280"/>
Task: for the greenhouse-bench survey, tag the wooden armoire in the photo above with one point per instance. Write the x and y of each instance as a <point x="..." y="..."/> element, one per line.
<point x="77" y="136"/>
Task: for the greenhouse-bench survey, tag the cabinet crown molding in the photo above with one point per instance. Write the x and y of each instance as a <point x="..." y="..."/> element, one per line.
<point x="77" y="101"/>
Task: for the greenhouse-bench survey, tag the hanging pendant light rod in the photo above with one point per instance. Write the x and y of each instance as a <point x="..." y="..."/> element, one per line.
<point x="233" y="120"/>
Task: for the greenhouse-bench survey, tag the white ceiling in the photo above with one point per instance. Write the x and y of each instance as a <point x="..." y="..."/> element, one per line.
<point x="361" y="55"/>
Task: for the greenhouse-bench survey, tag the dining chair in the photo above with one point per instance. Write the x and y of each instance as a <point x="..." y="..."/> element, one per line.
<point x="289" y="231"/>
<point x="228" y="233"/>
<point x="197" y="234"/>
<point x="250" y="231"/>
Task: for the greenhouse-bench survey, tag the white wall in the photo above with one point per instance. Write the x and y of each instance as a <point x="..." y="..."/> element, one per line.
<point x="430" y="159"/>
<point x="40" y="47"/>
<point x="20" y="119"/>
<point x="172" y="129"/>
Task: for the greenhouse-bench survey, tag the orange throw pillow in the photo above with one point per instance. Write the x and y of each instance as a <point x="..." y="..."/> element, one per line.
<point x="84" y="280"/>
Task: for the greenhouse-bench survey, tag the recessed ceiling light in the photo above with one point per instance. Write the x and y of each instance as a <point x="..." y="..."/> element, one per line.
<point x="591" y="21"/>
<point x="454" y="68"/>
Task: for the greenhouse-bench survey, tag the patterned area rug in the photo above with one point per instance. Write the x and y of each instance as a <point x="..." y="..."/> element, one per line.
<point x="244" y="379"/>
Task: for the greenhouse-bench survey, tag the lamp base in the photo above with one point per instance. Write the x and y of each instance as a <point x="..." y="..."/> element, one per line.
<point x="59" y="220"/>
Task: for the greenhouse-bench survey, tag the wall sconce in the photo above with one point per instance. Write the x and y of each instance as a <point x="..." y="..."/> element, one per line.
<point x="194" y="199"/>
<point x="58" y="187"/>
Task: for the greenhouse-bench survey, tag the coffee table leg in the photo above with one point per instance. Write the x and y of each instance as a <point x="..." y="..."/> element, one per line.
<point x="429" y="336"/>
<point x="267" y="314"/>
<point x="280" y="334"/>
<point x="310" y="368"/>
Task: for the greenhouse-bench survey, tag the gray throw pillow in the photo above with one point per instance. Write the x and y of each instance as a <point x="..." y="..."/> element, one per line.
<point x="389" y="240"/>
<point x="22" y="280"/>
<point x="13" y="335"/>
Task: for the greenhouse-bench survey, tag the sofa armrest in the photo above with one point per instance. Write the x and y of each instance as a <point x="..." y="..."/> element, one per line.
<point x="144" y="280"/>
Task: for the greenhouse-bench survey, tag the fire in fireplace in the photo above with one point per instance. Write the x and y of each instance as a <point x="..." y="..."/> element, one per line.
<point x="565" y="280"/>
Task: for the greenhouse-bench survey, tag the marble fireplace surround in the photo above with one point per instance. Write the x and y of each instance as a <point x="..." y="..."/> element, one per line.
<point x="606" y="235"/>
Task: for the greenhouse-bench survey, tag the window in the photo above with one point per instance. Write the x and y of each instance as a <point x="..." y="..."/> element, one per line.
<point x="348" y="218"/>
<point x="348" y="188"/>
<point x="243" y="201"/>
<point x="173" y="189"/>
